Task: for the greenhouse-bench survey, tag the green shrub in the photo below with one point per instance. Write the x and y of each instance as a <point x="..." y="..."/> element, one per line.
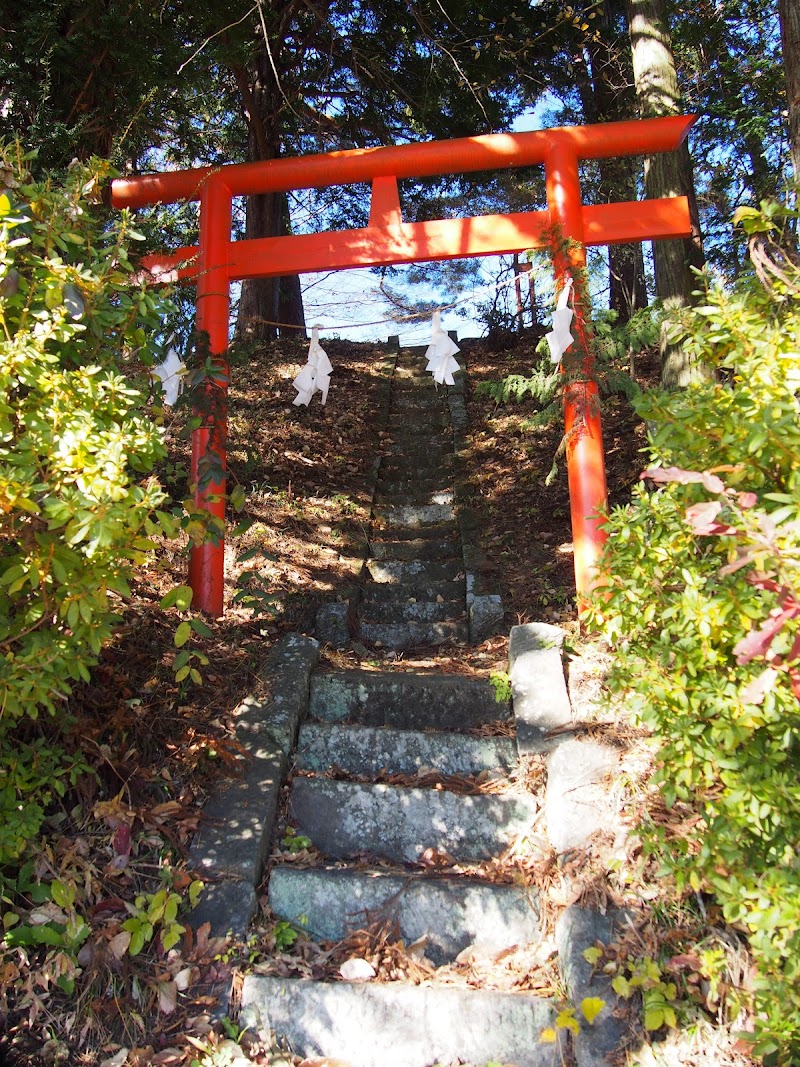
<point x="76" y="447"/>
<point x="703" y="604"/>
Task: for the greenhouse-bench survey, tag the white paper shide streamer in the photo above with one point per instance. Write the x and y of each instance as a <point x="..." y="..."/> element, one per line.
<point x="315" y="377"/>
<point x="440" y="353"/>
<point x="171" y="373"/>
<point x="560" y="337"/>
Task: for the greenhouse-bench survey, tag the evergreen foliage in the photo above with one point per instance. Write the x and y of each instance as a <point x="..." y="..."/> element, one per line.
<point x="78" y="504"/>
<point x="702" y="599"/>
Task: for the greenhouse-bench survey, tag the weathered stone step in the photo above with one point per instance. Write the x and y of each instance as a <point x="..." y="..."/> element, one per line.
<point x="413" y="514"/>
<point x="412" y="409"/>
<point x="402" y="572"/>
<point x="414" y="382"/>
<point x="442" y="531"/>
<point x="399" y="1025"/>
<point x="422" y="422"/>
<point x="437" y="482"/>
<point x="423" y="449"/>
<point x="346" y="818"/>
<point x="442" y="592"/>
<point x="413" y="496"/>
<point x="451" y="913"/>
<point x="370" y="750"/>
<point x="416" y="548"/>
<point x="397" y="468"/>
<point x="404" y="636"/>
<point x="403" y="609"/>
<point x="407" y="700"/>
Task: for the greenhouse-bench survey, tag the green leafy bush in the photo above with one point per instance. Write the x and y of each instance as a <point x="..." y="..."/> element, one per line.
<point x="77" y="447"/>
<point x="703" y="604"/>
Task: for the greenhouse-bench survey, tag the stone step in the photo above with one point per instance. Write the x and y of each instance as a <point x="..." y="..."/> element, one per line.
<point x="412" y="408"/>
<point x="419" y="452"/>
<point x="421" y="422"/>
<point x="415" y="382"/>
<point x="413" y="496"/>
<point x="394" y="472"/>
<point x="417" y="548"/>
<point x="397" y="1024"/>
<point x="404" y="571"/>
<point x="404" y="636"/>
<point x="371" y="750"/>
<point x="452" y="594"/>
<point x="442" y="531"/>
<point x="407" y="609"/>
<point x="413" y="514"/>
<point x="344" y="819"/>
<point x="437" y="482"/>
<point x="404" y="699"/>
<point x="451" y="913"/>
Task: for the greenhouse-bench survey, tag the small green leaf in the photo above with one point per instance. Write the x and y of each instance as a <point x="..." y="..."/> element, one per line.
<point x="63" y="894"/>
<point x="237" y="498"/>
<point x="653" y="1019"/>
<point x="179" y="597"/>
<point x="591" y="1008"/>
<point x="201" y="628"/>
<point x="182" y="634"/>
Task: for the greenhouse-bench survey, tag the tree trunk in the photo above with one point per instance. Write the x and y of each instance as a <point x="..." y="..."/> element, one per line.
<point x="607" y="95"/>
<point x="789" y="12"/>
<point x="268" y="306"/>
<point x="665" y="174"/>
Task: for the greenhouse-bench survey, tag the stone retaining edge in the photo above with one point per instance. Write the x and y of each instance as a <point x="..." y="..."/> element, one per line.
<point x="234" y="839"/>
<point x="538" y="685"/>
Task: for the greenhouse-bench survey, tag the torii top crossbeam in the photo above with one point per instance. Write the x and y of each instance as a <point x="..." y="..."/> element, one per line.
<point x="217" y="261"/>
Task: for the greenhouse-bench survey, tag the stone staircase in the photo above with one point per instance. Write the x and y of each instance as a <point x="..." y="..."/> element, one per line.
<point x="415" y="592"/>
<point x="400" y="777"/>
<point x="374" y="836"/>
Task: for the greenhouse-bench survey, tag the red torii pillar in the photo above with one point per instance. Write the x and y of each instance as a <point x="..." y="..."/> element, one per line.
<point x="217" y="261"/>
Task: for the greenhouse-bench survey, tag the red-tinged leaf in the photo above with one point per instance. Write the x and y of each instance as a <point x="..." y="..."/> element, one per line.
<point x="122" y="840"/>
<point x="701" y="516"/>
<point x="757" y="642"/>
<point x="713" y="483"/>
<point x="747" y="500"/>
<point x="755" y="692"/>
<point x="742" y="561"/>
<point x="684" y="960"/>
<point x="763" y="581"/>
<point x="672" y="474"/>
<point x="794" y="677"/>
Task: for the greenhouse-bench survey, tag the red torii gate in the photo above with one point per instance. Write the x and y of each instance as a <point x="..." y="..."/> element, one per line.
<point x="217" y="261"/>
